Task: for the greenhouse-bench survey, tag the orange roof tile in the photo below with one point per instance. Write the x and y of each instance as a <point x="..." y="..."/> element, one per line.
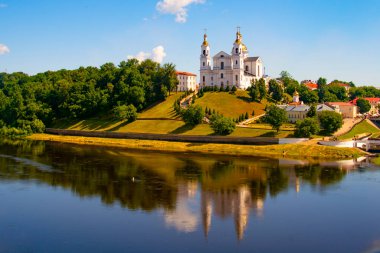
<point x="183" y="73"/>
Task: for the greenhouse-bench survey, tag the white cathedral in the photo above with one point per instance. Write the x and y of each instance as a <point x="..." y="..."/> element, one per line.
<point x="236" y="69"/>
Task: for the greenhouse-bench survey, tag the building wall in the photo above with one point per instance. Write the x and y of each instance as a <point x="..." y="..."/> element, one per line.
<point x="186" y="82"/>
<point x="348" y="111"/>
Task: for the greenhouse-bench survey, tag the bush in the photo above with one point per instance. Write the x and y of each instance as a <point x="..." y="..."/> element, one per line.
<point x="330" y="121"/>
<point x="222" y="125"/>
<point x="233" y="89"/>
<point x="306" y="127"/>
<point x="37" y="126"/>
<point x="246" y="116"/>
<point x="193" y="115"/>
<point x="227" y="88"/>
<point x="125" y="112"/>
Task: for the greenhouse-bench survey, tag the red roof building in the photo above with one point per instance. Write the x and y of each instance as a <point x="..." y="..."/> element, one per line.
<point x="375" y="102"/>
<point x="310" y="85"/>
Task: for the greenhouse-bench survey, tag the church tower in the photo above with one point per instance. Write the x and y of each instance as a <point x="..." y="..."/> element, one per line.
<point x="238" y="52"/>
<point x="205" y="62"/>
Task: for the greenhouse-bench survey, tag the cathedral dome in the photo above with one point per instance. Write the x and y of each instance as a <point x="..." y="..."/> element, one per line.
<point x="205" y="42"/>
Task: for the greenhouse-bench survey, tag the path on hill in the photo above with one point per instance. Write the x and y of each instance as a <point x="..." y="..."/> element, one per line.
<point x="246" y="122"/>
<point x="348" y="124"/>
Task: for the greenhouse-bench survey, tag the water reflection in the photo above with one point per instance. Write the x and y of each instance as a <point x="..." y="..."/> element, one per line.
<point x="191" y="190"/>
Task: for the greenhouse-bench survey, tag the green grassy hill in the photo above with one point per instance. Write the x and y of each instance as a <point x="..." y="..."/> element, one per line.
<point x="363" y="128"/>
<point x="162" y="119"/>
<point x="231" y="105"/>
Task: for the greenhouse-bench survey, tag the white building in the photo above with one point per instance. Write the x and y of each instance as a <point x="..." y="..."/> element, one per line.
<point x="186" y="81"/>
<point x="236" y="69"/>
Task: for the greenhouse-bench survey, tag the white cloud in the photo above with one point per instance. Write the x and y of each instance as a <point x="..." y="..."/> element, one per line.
<point x="158" y="54"/>
<point x="177" y="8"/>
<point x="4" y="49"/>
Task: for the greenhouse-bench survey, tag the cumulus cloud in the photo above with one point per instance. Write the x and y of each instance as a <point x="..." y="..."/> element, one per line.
<point x="177" y="8"/>
<point x="4" y="49"/>
<point x="158" y="54"/>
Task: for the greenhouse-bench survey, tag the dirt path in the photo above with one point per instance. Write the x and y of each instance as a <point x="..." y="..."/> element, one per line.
<point x="348" y="124"/>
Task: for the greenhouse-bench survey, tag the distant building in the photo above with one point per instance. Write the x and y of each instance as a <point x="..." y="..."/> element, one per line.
<point x="296" y="110"/>
<point x="311" y="85"/>
<point x="375" y="102"/>
<point x="348" y="110"/>
<point x="186" y="81"/>
<point x="235" y="69"/>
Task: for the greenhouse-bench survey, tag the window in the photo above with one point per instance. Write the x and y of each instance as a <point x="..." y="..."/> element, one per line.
<point x="236" y="62"/>
<point x="246" y="68"/>
<point x="203" y="64"/>
<point x="221" y="56"/>
<point x="236" y="78"/>
<point x="204" y="78"/>
<point x="221" y="75"/>
<point x="236" y="50"/>
<point x="212" y="78"/>
<point x="204" y="52"/>
<point x="222" y="65"/>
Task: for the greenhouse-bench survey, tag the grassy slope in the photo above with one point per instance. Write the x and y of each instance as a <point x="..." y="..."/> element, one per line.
<point x="363" y="127"/>
<point x="231" y="105"/>
<point x="162" y="119"/>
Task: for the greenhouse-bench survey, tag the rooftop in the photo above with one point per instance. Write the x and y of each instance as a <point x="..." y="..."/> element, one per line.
<point x="183" y="73"/>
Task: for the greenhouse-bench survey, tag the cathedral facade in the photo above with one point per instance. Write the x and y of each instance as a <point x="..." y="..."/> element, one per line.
<point x="235" y="69"/>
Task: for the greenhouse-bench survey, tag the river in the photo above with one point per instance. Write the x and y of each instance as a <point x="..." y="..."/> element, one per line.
<point x="68" y="198"/>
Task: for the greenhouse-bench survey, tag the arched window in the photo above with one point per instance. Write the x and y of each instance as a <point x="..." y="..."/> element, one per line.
<point x="221" y="75"/>
<point x="236" y="62"/>
<point x="204" y="52"/>
<point x="203" y="64"/>
<point x="222" y="65"/>
<point x="204" y="79"/>
<point x="236" y="50"/>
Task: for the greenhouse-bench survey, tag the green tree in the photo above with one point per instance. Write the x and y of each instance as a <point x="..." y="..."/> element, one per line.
<point x="276" y="117"/>
<point x="262" y="89"/>
<point x="312" y="111"/>
<point x="306" y="127"/>
<point x="364" y="105"/>
<point x="246" y="116"/>
<point x="222" y="125"/>
<point x="277" y="93"/>
<point x="330" y="121"/>
<point x="193" y="115"/>
<point x="253" y="91"/>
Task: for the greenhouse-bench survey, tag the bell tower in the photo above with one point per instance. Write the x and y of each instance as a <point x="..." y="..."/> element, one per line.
<point x="205" y="62"/>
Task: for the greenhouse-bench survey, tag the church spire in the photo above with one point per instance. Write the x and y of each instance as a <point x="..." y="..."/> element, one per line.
<point x="205" y="42"/>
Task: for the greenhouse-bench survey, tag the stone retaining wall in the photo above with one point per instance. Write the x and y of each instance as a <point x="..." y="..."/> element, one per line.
<point x="169" y="137"/>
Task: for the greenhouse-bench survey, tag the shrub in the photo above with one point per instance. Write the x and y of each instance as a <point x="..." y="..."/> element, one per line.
<point x="125" y="112"/>
<point x="306" y="127"/>
<point x="246" y="116"/>
<point x="233" y="89"/>
<point x="193" y="115"/>
<point x="227" y="88"/>
<point x="222" y="125"/>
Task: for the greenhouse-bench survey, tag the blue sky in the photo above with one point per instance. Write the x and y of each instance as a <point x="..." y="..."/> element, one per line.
<point x="337" y="39"/>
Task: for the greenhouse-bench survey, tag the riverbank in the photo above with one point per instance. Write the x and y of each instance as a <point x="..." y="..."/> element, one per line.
<point x="280" y="150"/>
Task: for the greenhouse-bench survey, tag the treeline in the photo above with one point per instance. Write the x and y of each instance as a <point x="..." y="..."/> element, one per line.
<point x="283" y="88"/>
<point x="29" y="103"/>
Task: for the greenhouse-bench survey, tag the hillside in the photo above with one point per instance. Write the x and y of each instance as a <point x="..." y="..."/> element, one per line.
<point x="162" y="119"/>
<point x="231" y="105"/>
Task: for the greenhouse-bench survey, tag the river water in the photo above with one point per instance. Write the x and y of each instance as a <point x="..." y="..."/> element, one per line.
<point x="68" y="198"/>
